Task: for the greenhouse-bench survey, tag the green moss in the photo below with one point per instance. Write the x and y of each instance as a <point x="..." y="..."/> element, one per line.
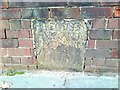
<point x="13" y="72"/>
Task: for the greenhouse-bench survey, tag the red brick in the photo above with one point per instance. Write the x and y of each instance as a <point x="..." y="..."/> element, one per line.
<point x="91" y="43"/>
<point x="96" y="12"/>
<point x="115" y="53"/>
<point x="98" y="23"/>
<point x="113" y="23"/>
<point x="107" y="44"/>
<point x="112" y="62"/>
<point x="12" y="13"/>
<point x="27" y="61"/>
<point x="4" y="24"/>
<point x="25" y="43"/>
<point x="26" y="24"/>
<point x="117" y="11"/>
<point x="2" y="34"/>
<point x="57" y="13"/>
<point x="19" y="52"/>
<point x="65" y="12"/>
<point x="18" y="33"/>
<point x="3" y="51"/>
<point x="32" y="52"/>
<point x="73" y="13"/>
<point x="116" y="34"/>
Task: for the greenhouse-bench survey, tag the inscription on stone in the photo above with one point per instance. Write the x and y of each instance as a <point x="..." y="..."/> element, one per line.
<point x="60" y="43"/>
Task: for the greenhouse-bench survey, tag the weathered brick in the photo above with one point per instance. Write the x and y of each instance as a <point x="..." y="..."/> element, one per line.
<point x="100" y="34"/>
<point x="25" y="43"/>
<point x="9" y="43"/>
<point x="16" y="60"/>
<point x="11" y="60"/>
<point x="6" y="60"/>
<point x="73" y="13"/>
<point x="65" y="12"/>
<point x="27" y="61"/>
<point x="10" y="13"/>
<point x="58" y="12"/>
<point x="113" y="23"/>
<point x="24" y="33"/>
<point x="34" y="13"/>
<point x="15" y="24"/>
<point x="4" y="24"/>
<point x="75" y="3"/>
<point x="30" y="4"/>
<point x="96" y="12"/>
<point x="97" y="53"/>
<point x="27" y="13"/>
<point x="40" y="13"/>
<point x="18" y="33"/>
<point x="95" y="61"/>
<point x="3" y="51"/>
<point x="2" y="34"/>
<point x="117" y="11"/>
<point x="26" y="24"/>
<point x="116" y="34"/>
<point x="106" y="3"/>
<point x="101" y="69"/>
<point x="115" y="53"/>
<point x="88" y="62"/>
<point x="112" y="62"/>
<point x="91" y="43"/>
<point x="99" y="61"/>
<point x="98" y="23"/>
<point x="19" y="52"/>
<point x="107" y="44"/>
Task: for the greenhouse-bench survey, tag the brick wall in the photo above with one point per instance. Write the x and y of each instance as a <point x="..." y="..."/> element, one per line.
<point x="102" y="19"/>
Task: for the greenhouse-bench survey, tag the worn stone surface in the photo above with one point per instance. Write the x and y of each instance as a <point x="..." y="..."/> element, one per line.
<point x="61" y="42"/>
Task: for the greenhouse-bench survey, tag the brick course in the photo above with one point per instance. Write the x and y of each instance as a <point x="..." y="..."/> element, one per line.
<point x="107" y="44"/>
<point x="100" y="34"/>
<point x="96" y="12"/>
<point x="10" y="13"/>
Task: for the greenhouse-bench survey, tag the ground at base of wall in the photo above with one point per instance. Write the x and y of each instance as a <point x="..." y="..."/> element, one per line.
<point x="53" y="79"/>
